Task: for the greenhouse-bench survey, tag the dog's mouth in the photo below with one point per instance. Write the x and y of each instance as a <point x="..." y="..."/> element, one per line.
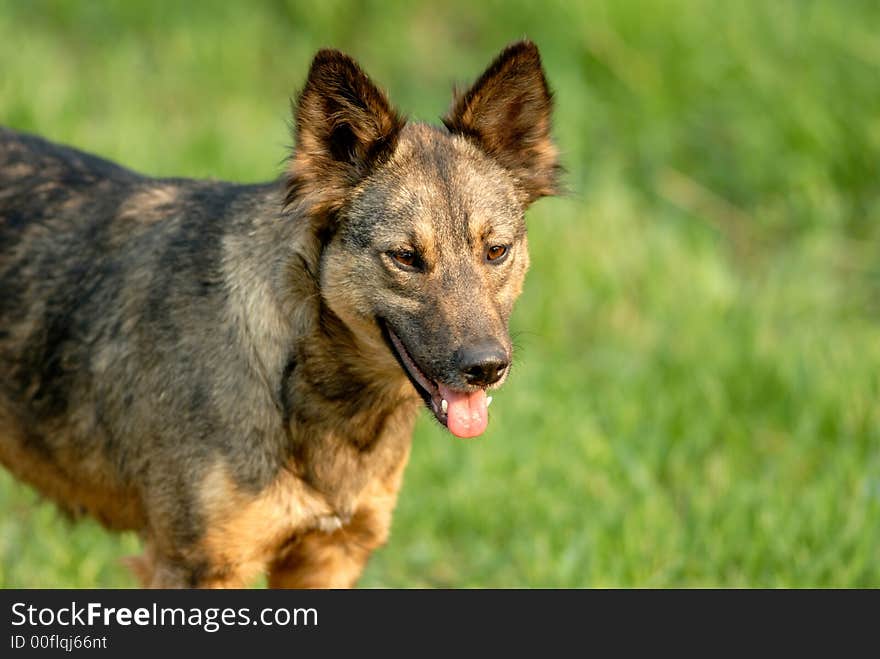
<point x="464" y="413"/>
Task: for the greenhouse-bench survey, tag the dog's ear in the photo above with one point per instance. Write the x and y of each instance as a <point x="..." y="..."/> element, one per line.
<point x="507" y="113"/>
<point x="345" y="126"/>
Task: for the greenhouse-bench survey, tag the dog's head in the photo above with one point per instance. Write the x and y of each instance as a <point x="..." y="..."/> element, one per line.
<point x="423" y="227"/>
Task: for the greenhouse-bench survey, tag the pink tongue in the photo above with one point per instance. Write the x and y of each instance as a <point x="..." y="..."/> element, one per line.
<point x="466" y="414"/>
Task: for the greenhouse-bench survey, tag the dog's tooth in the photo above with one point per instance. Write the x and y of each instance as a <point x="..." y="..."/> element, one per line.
<point x="488" y="401"/>
<point x="444" y="406"/>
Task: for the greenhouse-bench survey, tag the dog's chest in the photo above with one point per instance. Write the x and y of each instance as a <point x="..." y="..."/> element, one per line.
<point x="245" y="527"/>
<point x="330" y="483"/>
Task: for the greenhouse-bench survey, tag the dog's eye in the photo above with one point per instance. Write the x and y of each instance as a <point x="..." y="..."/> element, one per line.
<point x="496" y="253"/>
<point x="406" y="258"/>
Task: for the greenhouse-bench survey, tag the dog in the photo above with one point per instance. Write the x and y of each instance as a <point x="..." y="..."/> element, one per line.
<point x="234" y="371"/>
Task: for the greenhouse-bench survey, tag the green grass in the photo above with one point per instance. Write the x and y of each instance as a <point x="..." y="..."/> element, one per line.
<point x="697" y="395"/>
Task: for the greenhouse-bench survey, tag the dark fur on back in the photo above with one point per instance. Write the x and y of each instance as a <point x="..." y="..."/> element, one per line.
<point x="211" y="364"/>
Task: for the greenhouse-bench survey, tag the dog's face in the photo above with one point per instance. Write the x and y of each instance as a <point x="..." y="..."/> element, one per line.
<point x="432" y="248"/>
<point x="425" y="240"/>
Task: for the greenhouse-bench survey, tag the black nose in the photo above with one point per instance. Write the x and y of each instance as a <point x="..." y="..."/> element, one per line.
<point x="483" y="363"/>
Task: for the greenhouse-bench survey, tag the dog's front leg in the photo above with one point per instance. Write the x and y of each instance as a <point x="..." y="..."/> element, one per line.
<point x="331" y="558"/>
<point x="154" y="570"/>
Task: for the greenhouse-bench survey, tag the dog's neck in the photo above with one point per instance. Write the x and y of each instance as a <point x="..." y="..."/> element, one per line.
<point x="297" y="346"/>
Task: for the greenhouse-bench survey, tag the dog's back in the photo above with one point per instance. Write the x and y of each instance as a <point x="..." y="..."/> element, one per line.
<point x="111" y="281"/>
<point x="55" y="202"/>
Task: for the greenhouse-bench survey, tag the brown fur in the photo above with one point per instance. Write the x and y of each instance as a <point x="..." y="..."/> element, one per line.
<point x="212" y="365"/>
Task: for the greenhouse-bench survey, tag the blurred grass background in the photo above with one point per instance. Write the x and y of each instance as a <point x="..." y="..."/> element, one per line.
<point x="697" y="395"/>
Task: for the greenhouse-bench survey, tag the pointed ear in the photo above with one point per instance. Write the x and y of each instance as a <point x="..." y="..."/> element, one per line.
<point x="345" y="127"/>
<point x="507" y="113"/>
